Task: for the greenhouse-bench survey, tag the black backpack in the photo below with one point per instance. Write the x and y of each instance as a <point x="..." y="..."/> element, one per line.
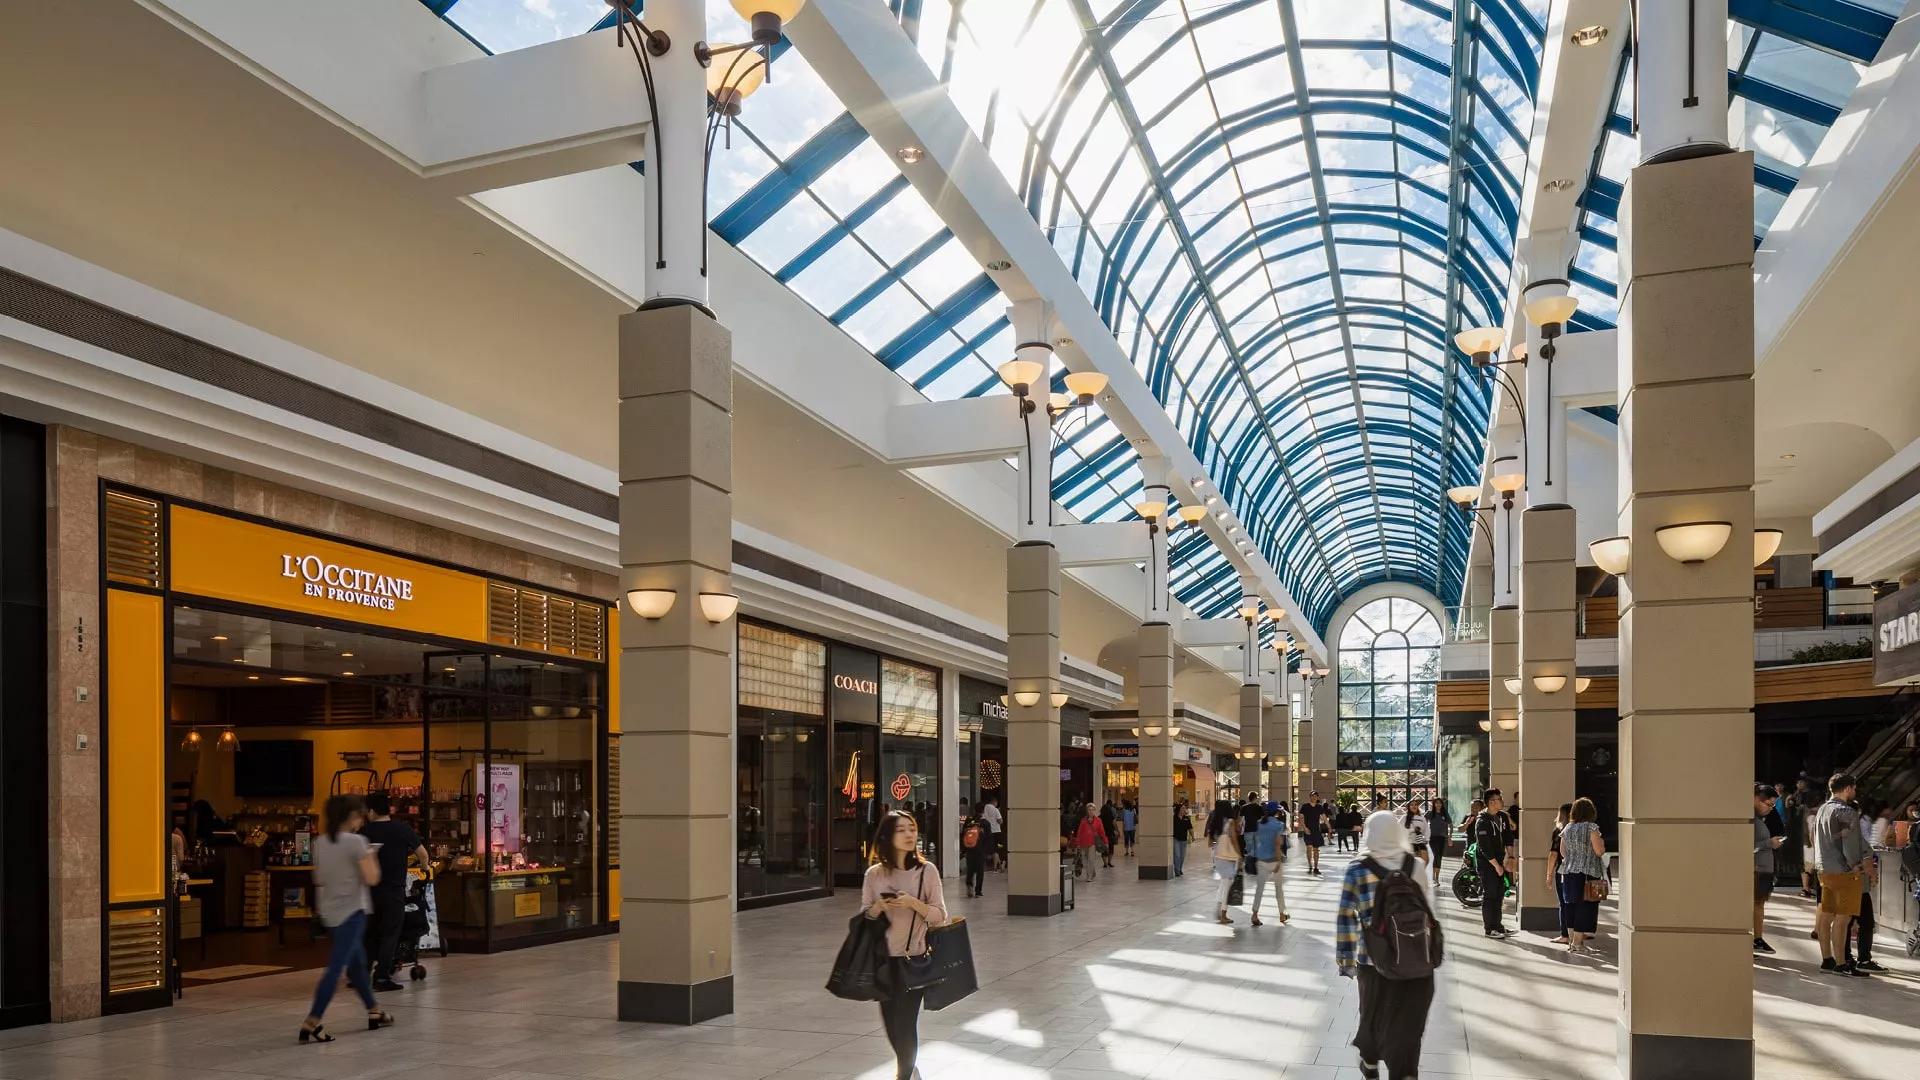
<point x="1403" y="937"/>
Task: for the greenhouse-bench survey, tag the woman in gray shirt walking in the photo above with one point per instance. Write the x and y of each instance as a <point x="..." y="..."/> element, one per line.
<point x="344" y="868"/>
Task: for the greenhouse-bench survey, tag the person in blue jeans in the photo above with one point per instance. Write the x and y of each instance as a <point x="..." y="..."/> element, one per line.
<point x="344" y="869"/>
<point x="1129" y="820"/>
<point x="1269" y="849"/>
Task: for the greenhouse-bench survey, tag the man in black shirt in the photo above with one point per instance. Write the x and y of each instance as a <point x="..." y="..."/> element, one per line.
<point x="1313" y="824"/>
<point x="1490" y="843"/>
<point x="392" y="842"/>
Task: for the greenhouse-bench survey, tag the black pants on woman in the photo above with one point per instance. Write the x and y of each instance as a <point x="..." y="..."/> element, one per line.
<point x="900" y="1015"/>
<point x="1393" y="1017"/>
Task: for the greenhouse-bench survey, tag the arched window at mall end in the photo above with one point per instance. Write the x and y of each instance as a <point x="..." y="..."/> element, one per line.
<point x="1389" y="666"/>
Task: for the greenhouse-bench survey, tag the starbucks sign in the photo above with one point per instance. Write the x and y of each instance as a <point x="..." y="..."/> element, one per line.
<point x="1896" y="637"/>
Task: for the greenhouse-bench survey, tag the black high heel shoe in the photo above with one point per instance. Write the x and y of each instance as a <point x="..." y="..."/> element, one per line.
<point x="378" y="1020"/>
<point x="316" y="1033"/>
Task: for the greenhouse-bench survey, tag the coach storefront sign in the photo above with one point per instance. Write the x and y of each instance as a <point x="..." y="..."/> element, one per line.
<point x="228" y="558"/>
<point x="853" y="680"/>
<point x="1896" y="637"/>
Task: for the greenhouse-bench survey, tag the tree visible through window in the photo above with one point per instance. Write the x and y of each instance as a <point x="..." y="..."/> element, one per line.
<point x="1389" y="664"/>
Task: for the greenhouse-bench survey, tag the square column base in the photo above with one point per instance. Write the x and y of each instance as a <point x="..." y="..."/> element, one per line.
<point x="1683" y="1057"/>
<point x="675" y="1003"/>
<point x="1038" y="906"/>
<point x="1538" y="918"/>
<point x="1156" y="873"/>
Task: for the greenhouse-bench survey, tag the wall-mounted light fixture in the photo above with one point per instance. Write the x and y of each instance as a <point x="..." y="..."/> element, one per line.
<point x="1508" y="480"/>
<point x="1276" y="614"/>
<point x="1482" y="343"/>
<point x="1508" y="723"/>
<point x="1614" y="554"/>
<point x="718" y="607"/>
<point x="1150" y="510"/>
<point x="1464" y="495"/>
<point x="1192" y="515"/>
<point x="1020" y="375"/>
<point x="1026" y="697"/>
<point x="1765" y="543"/>
<point x="1060" y="699"/>
<point x="1150" y="729"/>
<point x="1485" y="725"/>
<point x="1513" y="685"/>
<point x="1691" y="542"/>
<point x="651" y="603"/>
<point x="1580" y="684"/>
<point x="1549" y="684"/>
<point x="1250" y="611"/>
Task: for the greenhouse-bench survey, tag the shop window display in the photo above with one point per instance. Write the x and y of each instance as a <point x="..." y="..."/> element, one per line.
<point x="490" y="757"/>
<point x="781" y="763"/>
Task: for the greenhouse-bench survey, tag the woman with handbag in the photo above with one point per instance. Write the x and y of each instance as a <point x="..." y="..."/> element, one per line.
<point x="904" y="889"/>
<point x="1223" y="831"/>
<point x="1583" y="873"/>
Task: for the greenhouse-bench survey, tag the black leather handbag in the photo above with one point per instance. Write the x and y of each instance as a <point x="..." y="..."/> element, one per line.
<point x="952" y="952"/>
<point x="907" y="973"/>
<point x="856" y="970"/>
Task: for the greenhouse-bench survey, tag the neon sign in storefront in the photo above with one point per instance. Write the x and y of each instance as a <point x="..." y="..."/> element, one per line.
<point x="332" y="581"/>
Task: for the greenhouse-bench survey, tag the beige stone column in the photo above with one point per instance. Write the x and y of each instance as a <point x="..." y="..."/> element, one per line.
<point x="1686" y="631"/>
<point x="1153" y="684"/>
<point x="1277" y="730"/>
<point x="1304" y="782"/>
<point x="1033" y="731"/>
<point x="676" y="684"/>
<point x="1546" y="719"/>
<point x="1503" y="660"/>
<point x="1251" y="744"/>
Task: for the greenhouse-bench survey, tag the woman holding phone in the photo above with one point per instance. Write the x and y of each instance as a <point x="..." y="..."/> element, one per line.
<point x="904" y="889"/>
<point x="344" y="868"/>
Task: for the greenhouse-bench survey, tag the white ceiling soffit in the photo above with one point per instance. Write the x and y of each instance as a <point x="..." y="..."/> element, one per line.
<point x="858" y="49"/>
<point x="592" y="222"/>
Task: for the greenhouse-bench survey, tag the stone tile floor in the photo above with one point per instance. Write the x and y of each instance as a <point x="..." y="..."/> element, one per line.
<point x="1138" y="982"/>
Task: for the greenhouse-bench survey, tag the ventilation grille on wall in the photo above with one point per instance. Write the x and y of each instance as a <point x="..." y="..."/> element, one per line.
<point x="531" y="619"/>
<point x="133" y="539"/>
<point x="613" y="802"/>
<point x="136" y="949"/>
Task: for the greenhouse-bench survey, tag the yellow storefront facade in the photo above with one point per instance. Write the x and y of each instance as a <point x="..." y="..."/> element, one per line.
<point x="251" y="669"/>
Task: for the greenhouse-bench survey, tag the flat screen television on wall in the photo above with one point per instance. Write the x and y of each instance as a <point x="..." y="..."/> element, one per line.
<point x="273" y="769"/>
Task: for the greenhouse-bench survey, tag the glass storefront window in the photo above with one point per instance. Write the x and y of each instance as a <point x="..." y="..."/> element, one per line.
<point x="492" y="757"/>
<point x="1389" y="663"/>
<point x="781" y="763"/>
<point x="910" y="747"/>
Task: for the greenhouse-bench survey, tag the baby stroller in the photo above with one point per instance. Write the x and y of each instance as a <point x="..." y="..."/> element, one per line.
<point x="419" y="929"/>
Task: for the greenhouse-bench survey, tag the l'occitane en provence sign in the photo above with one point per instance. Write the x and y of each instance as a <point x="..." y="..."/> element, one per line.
<point x="229" y="559"/>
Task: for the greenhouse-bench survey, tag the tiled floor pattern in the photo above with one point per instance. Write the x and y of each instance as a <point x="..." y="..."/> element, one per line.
<point x="1138" y="982"/>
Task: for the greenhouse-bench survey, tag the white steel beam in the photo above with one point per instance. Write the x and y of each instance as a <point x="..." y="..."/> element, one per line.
<point x="859" y="50"/>
<point x="1204" y="633"/>
<point x="413" y="87"/>
<point x="1101" y="543"/>
<point x="950" y="432"/>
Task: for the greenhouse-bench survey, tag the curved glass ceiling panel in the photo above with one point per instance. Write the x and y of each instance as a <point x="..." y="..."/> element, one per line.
<point x="1283" y="210"/>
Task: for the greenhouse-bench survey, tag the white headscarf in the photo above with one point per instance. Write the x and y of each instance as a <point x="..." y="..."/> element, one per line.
<point x="1384" y="839"/>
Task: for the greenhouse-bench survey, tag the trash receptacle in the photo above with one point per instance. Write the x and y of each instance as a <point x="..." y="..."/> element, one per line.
<point x="1066" y="884"/>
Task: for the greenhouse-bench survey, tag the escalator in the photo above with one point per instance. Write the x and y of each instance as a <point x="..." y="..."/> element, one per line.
<point x="1888" y="769"/>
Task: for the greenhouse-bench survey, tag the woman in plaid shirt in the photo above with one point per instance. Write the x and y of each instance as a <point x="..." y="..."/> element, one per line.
<point x="1393" y="1012"/>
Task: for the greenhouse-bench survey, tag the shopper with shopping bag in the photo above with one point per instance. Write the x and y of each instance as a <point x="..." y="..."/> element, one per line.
<point x="903" y="890"/>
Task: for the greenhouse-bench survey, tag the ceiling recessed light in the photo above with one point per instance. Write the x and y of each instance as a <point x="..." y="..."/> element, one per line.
<point x="911" y="155"/>
<point x="452" y="669"/>
<point x="1588" y="36"/>
<point x="346" y="656"/>
<point x="998" y="265"/>
<point x="1063" y="343"/>
<point x="219" y="637"/>
<point x="253" y="678"/>
<point x="348" y="673"/>
<point x="1788" y="456"/>
<point x="1559" y="183"/>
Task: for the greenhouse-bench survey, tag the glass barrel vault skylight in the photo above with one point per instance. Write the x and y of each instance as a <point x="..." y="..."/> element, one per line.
<point x="1282" y="209"/>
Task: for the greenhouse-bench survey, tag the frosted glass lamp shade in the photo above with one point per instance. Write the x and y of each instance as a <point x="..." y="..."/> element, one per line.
<point x="1513" y="685"/>
<point x="1060" y="701"/>
<point x="1508" y="723"/>
<point x="718" y="607"/>
<point x="1549" y="684"/>
<point x="782" y="9"/>
<point x="1549" y="310"/>
<point x="1085" y="383"/>
<point x="1614" y="554"/>
<point x="1765" y="543"/>
<point x="1192" y="514"/>
<point x="1580" y="684"/>
<point x="1479" y="340"/>
<point x="1026" y="697"/>
<point x="651" y="603"/>
<point x="1464" y="495"/>
<point x="1150" y="509"/>
<point x="1506" y="483"/>
<point x="1485" y="725"/>
<point x="1021" y="374"/>
<point x="1693" y="542"/>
